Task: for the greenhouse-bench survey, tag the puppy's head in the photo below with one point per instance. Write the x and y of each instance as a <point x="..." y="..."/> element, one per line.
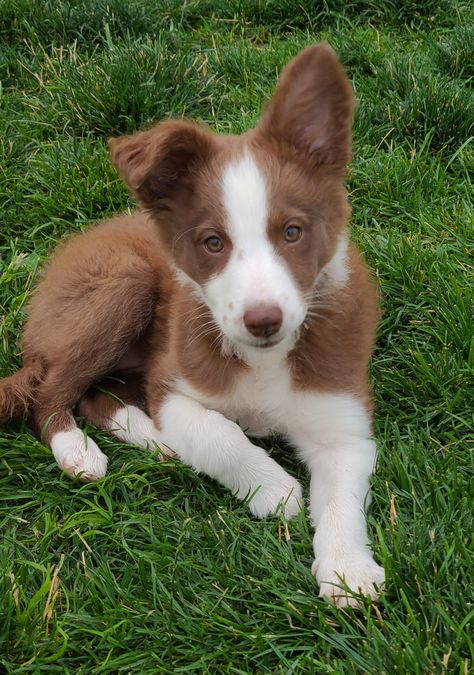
<point x="253" y="221"/>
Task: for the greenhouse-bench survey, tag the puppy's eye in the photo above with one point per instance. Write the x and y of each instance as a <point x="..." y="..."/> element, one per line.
<point x="292" y="233"/>
<point x="214" y="244"/>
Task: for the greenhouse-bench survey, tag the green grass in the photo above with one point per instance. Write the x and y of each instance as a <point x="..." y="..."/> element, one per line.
<point x="154" y="569"/>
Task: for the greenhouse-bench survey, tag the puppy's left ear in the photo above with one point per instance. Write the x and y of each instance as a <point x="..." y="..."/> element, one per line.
<point x="312" y="108"/>
<point x="156" y="164"/>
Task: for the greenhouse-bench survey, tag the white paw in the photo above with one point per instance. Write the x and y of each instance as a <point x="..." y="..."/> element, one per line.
<point x="283" y="493"/>
<point x="360" y="574"/>
<point x="132" y="425"/>
<point x="78" y="455"/>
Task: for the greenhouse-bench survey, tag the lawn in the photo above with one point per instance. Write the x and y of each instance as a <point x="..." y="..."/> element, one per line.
<point x="154" y="569"/>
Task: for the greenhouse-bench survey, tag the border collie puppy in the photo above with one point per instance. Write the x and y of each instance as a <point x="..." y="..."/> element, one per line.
<point x="231" y="307"/>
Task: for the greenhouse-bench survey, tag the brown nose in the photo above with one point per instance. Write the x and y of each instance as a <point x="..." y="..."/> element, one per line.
<point x="263" y="320"/>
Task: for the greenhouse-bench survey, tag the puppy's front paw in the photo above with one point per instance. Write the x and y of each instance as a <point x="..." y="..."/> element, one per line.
<point x="360" y="574"/>
<point x="78" y="455"/>
<point x="131" y="425"/>
<point x="282" y="492"/>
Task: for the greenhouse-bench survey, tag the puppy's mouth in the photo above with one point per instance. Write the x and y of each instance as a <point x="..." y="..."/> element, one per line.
<point x="268" y="344"/>
<point x="265" y="343"/>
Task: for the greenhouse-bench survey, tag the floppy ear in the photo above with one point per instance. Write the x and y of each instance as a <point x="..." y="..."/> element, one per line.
<point x="156" y="163"/>
<point x="312" y="107"/>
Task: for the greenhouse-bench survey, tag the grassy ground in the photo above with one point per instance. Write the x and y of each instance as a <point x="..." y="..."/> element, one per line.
<point x="154" y="569"/>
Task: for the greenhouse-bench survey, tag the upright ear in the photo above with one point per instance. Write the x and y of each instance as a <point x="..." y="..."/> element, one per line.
<point x="156" y="163"/>
<point x="312" y="107"/>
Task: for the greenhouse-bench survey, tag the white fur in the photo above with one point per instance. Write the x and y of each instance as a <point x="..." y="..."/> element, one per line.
<point x="212" y="444"/>
<point x="332" y="435"/>
<point x="337" y="269"/>
<point x="254" y="274"/>
<point x="132" y="425"/>
<point x="263" y="399"/>
<point x="340" y="471"/>
<point x="78" y="455"/>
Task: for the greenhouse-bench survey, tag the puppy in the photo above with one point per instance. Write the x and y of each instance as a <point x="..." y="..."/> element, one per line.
<point x="232" y="305"/>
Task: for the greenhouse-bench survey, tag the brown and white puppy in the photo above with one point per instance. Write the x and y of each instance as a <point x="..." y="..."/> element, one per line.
<point x="233" y="305"/>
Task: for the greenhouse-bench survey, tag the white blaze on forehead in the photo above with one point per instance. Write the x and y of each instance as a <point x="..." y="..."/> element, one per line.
<point x="254" y="273"/>
<point x="245" y="200"/>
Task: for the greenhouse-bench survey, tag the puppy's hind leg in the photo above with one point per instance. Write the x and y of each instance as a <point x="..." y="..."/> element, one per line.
<point x="78" y="455"/>
<point x="117" y="404"/>
<point x="75" y="452"/>
<point x="96" y="330"/>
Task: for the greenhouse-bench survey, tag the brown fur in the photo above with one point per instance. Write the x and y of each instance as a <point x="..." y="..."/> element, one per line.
<point x="97" y="297"/>
<point x="99" y="404"/>
<point x="341" y="334"/>
<point x="109" y="302"/>
<point x="19" y="390"/>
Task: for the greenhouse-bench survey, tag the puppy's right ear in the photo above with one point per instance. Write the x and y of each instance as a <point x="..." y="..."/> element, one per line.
<point x="157" y="162"/>
<point x="311" y="109"/>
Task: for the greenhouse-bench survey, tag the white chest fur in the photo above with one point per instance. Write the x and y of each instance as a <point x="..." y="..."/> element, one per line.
<point x="263" y="400"/>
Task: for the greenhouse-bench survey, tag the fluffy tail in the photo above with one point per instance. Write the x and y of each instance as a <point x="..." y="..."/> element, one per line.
<point x="18" y="391"/>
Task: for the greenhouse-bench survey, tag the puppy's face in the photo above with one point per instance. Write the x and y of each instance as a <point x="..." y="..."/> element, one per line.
<point x="251" y="222"/>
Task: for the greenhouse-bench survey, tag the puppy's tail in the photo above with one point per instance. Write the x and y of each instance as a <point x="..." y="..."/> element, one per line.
<point x="18" y="390"/>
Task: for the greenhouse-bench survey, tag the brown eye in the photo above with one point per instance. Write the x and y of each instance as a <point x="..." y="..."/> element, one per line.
<point x="214" y="244"/>
<point x="292" y="233"/>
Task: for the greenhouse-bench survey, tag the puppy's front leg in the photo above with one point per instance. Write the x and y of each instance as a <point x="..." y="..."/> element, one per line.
<point x="340" y="472"/>
<point x="212" y="444"/>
